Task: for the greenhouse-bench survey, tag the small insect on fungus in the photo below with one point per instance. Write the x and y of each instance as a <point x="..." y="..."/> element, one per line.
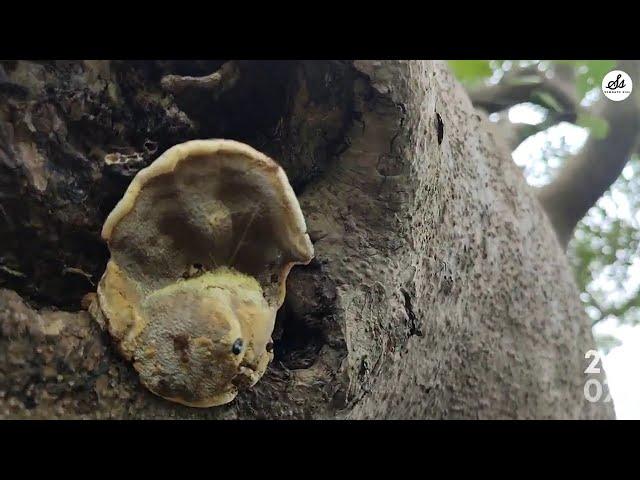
<point x="201" y="245"/>
<point x="237" y="347"/>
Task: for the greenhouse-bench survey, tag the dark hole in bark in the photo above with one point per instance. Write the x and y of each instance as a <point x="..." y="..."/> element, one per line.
<point x="306" y="323"/>
<point x="150" y="146"/>
<point x="296" y="343"/>
<point x="440" y="127"/>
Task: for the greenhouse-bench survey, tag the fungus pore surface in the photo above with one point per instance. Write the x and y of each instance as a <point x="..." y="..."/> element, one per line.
<point x="201" y="245"/>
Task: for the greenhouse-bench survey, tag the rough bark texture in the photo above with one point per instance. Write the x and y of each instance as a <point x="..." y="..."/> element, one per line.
<point x="438" y="289"/>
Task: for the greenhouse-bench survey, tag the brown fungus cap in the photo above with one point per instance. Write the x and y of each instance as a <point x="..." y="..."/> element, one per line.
<point x="210" y="203"/>
<point x="201" y="245"/>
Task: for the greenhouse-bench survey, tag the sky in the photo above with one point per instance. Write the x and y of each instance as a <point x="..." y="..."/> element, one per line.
<point x="622" y="363"/>
<point x="621" y="366"/>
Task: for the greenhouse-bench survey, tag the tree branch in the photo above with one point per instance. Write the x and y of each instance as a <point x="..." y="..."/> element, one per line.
<point x="516" y="133"/>
<point x="615" y="311"/>
<point x="217" y="82"/>
<point x="524" y="85"/>
<point x="557" y="95"/>
<point x="585" y="177"/>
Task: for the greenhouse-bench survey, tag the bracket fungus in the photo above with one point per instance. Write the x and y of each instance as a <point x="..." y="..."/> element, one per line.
<point x="201" y="245"/>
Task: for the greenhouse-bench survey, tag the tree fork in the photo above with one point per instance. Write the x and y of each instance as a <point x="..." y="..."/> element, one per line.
<point x="586" y="176"/>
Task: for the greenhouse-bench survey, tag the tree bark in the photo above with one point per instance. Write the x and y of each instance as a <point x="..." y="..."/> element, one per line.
<point x="438" y="290"/>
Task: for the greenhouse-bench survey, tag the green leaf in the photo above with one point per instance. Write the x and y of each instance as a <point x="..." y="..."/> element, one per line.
<point x="598" y="126"/>
<point x="599" y="68"/>
<point x="471" y="71"/>
<point x="546" y="100"/>
<point x="589" y="73"/>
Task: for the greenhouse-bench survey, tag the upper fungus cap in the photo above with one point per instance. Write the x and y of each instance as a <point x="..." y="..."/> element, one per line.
<point x="209" y="203"/>
<point x="201" y="245"/>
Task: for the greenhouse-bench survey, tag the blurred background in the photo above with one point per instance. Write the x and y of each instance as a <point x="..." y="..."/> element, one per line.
<point x="549" y="112"/>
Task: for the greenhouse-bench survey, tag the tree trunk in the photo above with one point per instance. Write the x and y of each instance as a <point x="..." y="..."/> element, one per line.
<point x="438" y="289"/>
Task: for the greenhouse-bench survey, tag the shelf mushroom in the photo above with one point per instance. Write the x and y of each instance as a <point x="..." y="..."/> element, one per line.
<point x="201" y="245"/>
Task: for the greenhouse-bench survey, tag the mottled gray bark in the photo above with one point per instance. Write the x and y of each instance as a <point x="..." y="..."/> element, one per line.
<point x="438" y="289"/>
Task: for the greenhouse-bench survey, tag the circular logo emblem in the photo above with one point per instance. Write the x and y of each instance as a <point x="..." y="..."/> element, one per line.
<point x="617" y="85"/>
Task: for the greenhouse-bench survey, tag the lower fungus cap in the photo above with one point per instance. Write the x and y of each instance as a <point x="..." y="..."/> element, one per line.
<point x="201" y="245"/>
<point x="206" y="332"/>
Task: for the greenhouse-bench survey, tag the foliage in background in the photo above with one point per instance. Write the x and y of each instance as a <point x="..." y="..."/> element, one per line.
<point x="471" y="72"/>
<point x="588" y="73"/>
<point x="605" y="249"/>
